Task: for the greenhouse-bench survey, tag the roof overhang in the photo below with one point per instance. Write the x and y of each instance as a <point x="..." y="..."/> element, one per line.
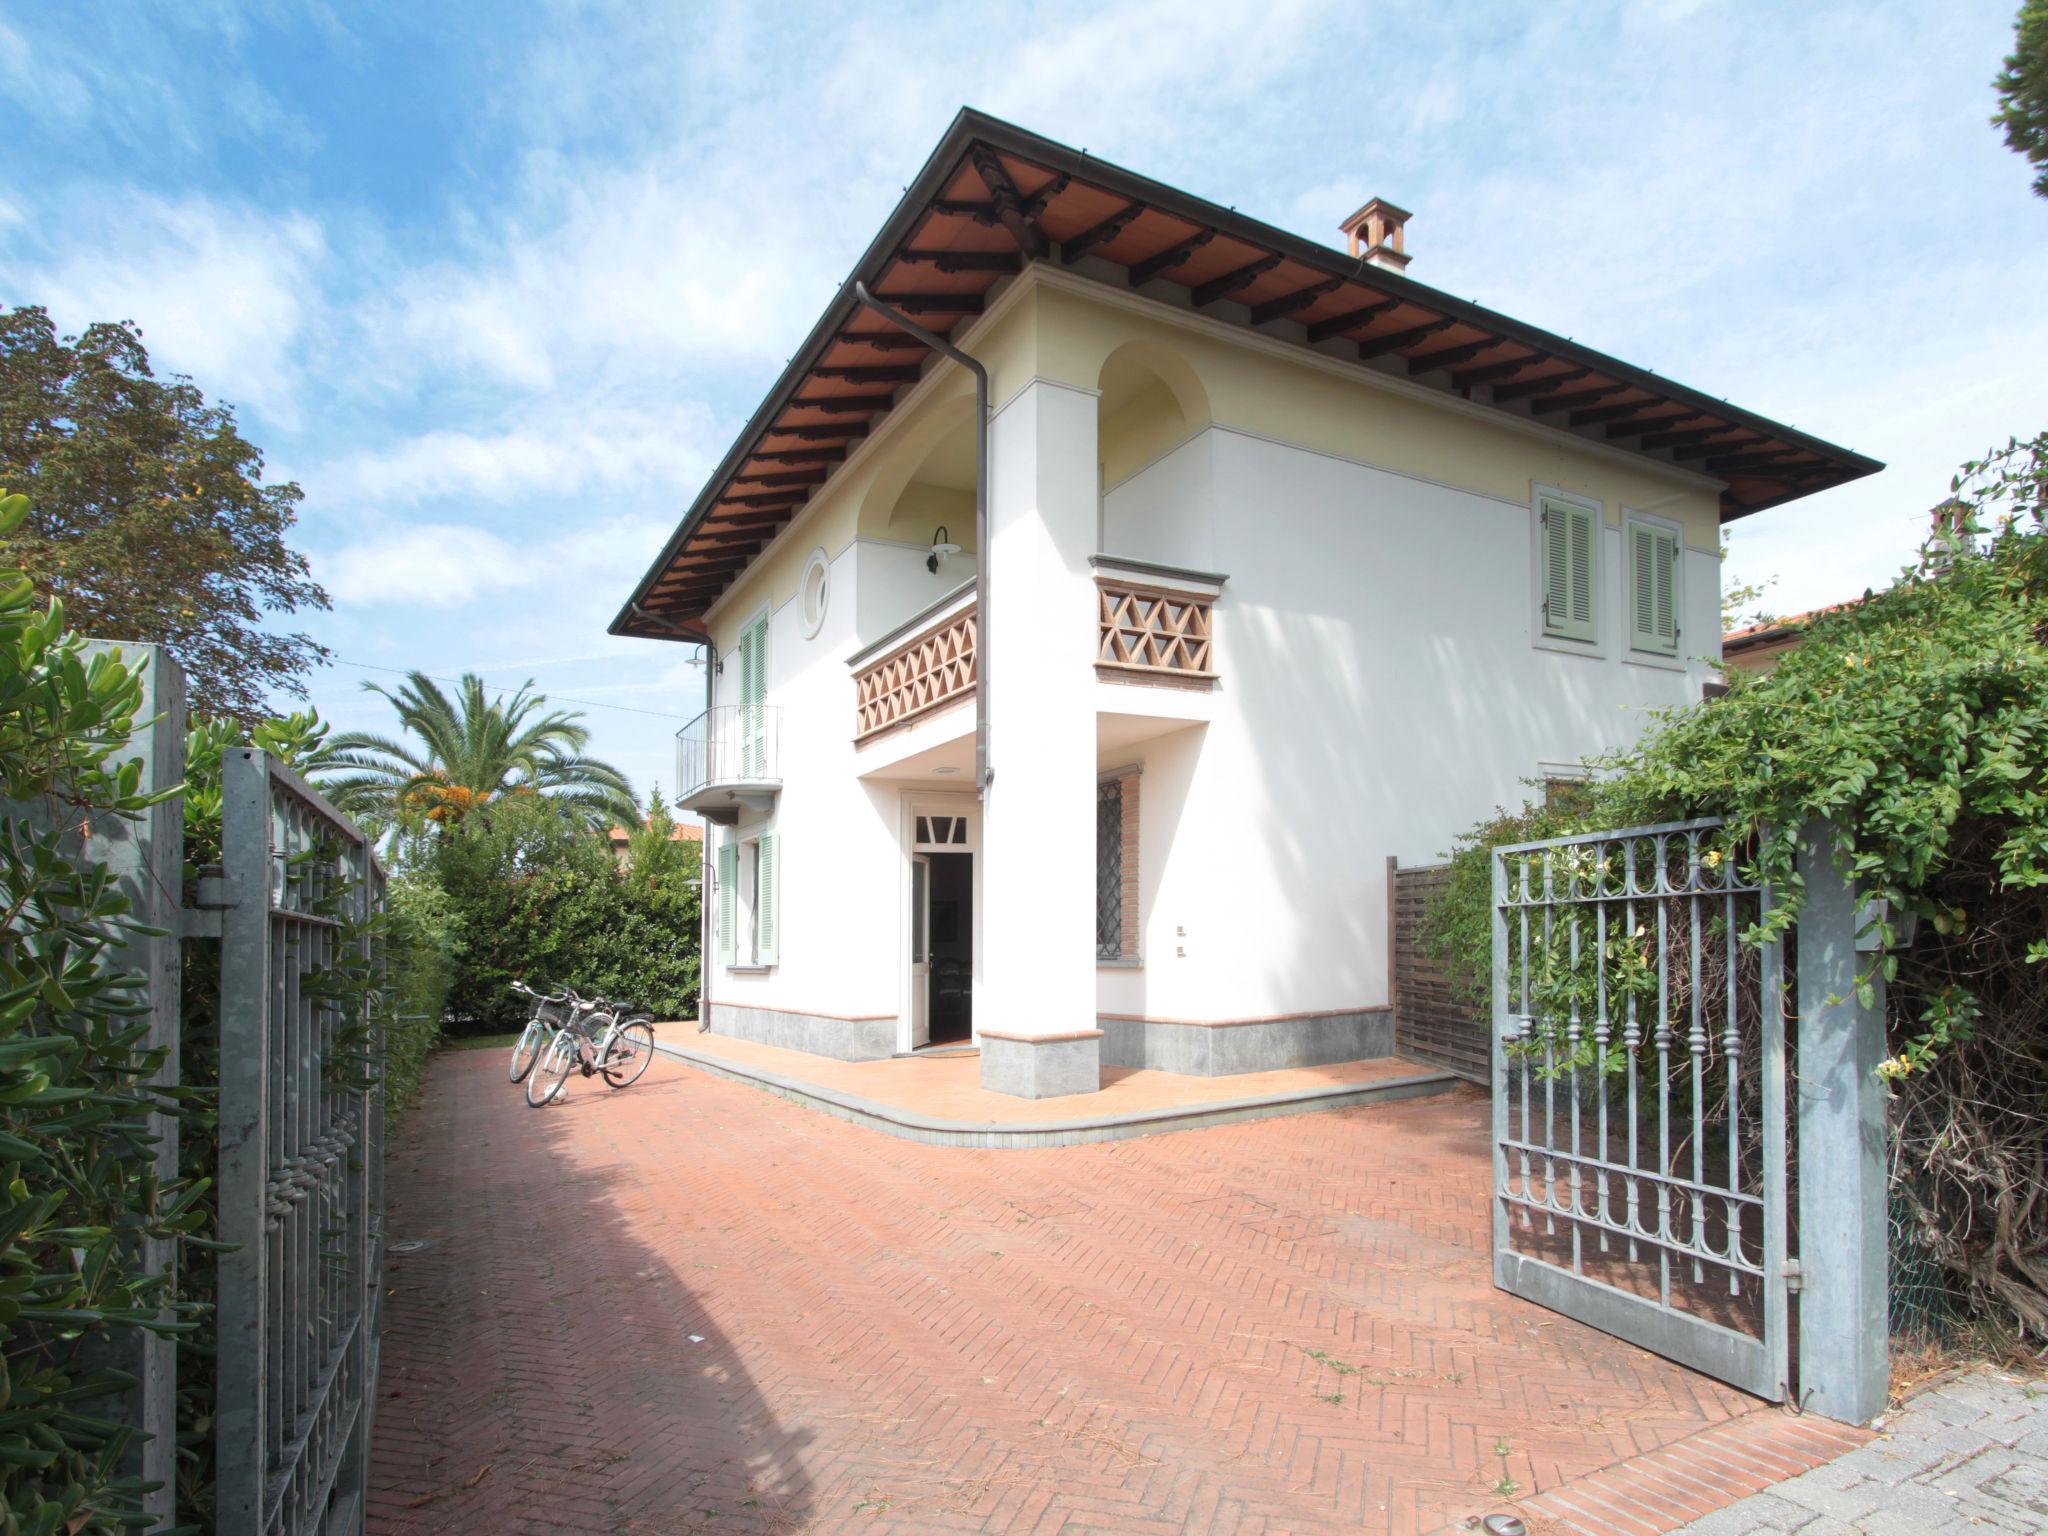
<point x="993" y="198"/>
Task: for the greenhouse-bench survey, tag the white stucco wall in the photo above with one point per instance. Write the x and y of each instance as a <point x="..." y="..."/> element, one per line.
<point x="838" y="848"/>
<point x="1380" y="690"/>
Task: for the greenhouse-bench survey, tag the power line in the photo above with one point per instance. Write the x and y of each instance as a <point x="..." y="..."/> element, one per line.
<point x="557" y="698"/>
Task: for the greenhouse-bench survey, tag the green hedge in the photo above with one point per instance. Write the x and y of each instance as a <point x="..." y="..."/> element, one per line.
<point x="78" y="1187"/>
<point x="529" y="894"/>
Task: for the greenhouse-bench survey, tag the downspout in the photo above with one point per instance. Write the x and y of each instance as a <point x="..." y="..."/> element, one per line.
<point x="705" y="877"/>
<point x="982" y="772"/>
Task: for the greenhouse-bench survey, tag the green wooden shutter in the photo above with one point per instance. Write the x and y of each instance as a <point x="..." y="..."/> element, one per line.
<point x="1653" y="589"/>
<point x="767" y="900"/>
<point x="753" y="696"/>
<point x="1571" y="571"/>
<point x="728" y="891"/>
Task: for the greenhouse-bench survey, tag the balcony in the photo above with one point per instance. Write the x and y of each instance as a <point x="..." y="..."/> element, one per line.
<point x="729" y="760"/>
<point x="1155" y="624"/>
<point x="920" y="669"/>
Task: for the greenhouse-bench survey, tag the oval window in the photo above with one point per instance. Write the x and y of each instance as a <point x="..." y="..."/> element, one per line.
<point x="816" y="591"/>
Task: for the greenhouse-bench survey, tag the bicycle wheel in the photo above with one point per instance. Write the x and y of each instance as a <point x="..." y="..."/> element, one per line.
<point x="551" y="1072"/>
<point x="526" y="1050"/>
<point x="631" y="1049"/>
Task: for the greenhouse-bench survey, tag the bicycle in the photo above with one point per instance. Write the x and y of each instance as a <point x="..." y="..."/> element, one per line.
<point x="620" y="1052"/>
<point x="550" y="1010"/>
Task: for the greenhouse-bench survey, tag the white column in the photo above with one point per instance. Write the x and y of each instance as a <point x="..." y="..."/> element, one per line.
<point x="1036" y="1004"/>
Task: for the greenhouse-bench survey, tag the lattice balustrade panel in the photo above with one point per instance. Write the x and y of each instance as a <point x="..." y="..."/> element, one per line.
<point x="933" y="670"/>
<point x="1162" y="634"/>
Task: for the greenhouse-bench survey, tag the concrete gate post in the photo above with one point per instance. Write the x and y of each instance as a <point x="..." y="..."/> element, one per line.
<point x="1844" y="1356"/>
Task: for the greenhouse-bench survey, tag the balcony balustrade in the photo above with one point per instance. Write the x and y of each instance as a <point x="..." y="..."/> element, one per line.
<point x="935" y="667"/>
<point x="1152" y="634"/>
<point x="729" y="759"/>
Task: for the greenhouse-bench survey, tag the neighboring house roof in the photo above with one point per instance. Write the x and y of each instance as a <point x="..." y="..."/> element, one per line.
<point x="993" y="196"/>
<point x="1777" y="634"/>
<point x="683" y="832"/>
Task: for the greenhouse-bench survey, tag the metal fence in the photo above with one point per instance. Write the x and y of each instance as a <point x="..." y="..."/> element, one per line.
<point x="1640" y="1096"/>
<point x="301" y="1159"/>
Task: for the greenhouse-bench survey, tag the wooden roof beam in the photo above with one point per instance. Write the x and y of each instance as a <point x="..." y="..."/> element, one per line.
<point x="1288" y="303"/>
<point x="808" y="434"/>
<point x="779" y="499"/>
<point x="1573" y="401"/>
<point x="786" y="477"/>
<point x="875" y="373"/>
<point x="934" y="303"/>
<point x="1487" y="373"/>
<point x="1450" y="357"/>
<point x="1701" y="442"/>
<point x="710" y="563"/>
<point x="1222" y="287"/>
<point x="1639" y="426"/>
<point x="1142" y="272"/>
<point x="1073" y="250"/>
<point x="1394" y="341"/>
<point x="1503" y="393"/>
<point x="842" y="405"/>
<point x="1762" y="464"/>
<point x="963" y="261"/>
<point x="723" y="537"/>
<point x="798" y="455"/>
<point x="1337" y="325"/>
<point x="1021" y="222"/>
<point x="882" y="341"/>
<point x="983" y="210"/>
<point x="1604" y="413"/>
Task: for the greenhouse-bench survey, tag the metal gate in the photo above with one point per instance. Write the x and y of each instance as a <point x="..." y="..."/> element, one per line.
<point x="301" y="1134"/>
<point x="1639" y="1106"/>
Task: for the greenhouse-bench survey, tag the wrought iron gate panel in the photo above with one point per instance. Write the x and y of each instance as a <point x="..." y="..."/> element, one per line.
<point x="301" y="1160"/>
<point x="1639" y="1107"/>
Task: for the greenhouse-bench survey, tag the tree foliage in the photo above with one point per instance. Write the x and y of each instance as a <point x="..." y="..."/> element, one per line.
<point x="1916" y="722"/>
<point x="2023" y="91"/>
<point x="152" y="521"/>
<point x="463" y="753"/>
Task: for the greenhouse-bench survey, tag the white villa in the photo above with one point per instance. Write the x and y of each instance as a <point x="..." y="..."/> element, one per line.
<point x="1285" y="564"/>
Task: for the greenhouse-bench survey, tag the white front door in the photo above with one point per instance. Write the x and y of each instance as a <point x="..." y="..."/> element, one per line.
<point x="920" y="950"/>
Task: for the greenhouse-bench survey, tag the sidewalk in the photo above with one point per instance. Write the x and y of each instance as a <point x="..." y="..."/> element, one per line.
<point x="1970" y="1455"/>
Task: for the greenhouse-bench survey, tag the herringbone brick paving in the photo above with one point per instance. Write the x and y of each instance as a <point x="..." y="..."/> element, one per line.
<point x="692" y="1306"/>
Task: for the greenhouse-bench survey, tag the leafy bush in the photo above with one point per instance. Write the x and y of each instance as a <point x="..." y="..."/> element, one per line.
<point x="534" y="896"/>
<point x="1917" y="721"/>
<point x="78" y="1185"/>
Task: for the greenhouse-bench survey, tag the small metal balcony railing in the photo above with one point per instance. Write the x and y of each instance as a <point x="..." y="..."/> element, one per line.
<point x="729" y="746"/>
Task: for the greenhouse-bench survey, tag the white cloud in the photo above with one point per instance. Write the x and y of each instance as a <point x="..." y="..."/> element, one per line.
<point x="573" y="444"/>
<point x="584" y="563"/>
<point x="221" y="293"/>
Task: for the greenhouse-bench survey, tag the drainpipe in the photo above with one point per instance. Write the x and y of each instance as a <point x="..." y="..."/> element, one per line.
<point x="982" y="772"/>
<point x="706" y="941"/>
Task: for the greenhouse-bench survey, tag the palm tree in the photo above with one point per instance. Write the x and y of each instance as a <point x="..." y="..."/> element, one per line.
<point x="458" y="757"/>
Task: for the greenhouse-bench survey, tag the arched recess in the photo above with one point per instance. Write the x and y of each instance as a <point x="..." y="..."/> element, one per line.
<point x="928" y="479"/>
<point x="1151" y="401"/>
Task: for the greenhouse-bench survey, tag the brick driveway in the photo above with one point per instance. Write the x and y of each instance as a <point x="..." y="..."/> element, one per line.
<point x="695" y="1307"/>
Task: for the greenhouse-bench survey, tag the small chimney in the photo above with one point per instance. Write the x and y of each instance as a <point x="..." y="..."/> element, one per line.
<point x="1376" y="234"/>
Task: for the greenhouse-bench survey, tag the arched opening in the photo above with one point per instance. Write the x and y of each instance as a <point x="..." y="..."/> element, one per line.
<point x="927" y="483"/>
<point x="939" y="493"/>
<point x="1151" y="402"/>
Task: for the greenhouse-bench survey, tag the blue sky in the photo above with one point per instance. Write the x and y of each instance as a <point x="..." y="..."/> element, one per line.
<point x="466" y="271"/>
